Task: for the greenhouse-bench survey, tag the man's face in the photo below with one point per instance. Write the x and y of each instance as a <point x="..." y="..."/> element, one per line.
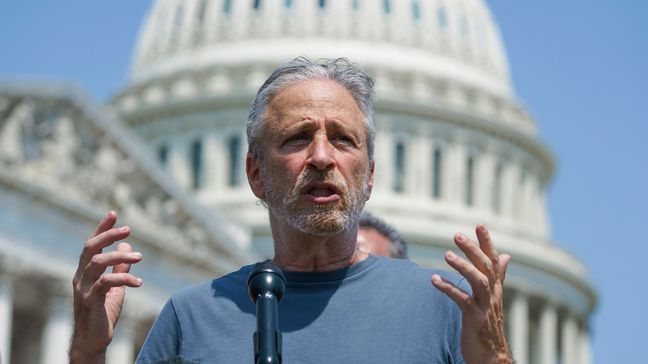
<point x="314" y="172"/>
<point x="372" y="242"/>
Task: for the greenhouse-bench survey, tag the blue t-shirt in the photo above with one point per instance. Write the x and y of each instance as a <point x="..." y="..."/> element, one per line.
<point x="379" y="310"/>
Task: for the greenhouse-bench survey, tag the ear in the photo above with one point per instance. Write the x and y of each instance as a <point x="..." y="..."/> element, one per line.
<point x="252" y="169"/>
<point x="370" y="182"/>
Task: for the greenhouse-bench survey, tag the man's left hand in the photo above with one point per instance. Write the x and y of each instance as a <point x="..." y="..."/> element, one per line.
<point x="482" y="331"/>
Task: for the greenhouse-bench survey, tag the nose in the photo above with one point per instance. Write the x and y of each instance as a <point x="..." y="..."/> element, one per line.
<point x="321" y="154"/>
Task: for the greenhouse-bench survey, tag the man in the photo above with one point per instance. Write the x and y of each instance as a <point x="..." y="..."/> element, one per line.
<point x="377" y="237"/>
<point x="310" y="160"/>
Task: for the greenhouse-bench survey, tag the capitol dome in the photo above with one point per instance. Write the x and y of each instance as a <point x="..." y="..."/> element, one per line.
<point x="454" y="145"/>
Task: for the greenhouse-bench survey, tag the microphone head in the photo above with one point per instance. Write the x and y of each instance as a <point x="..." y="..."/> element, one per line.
<point x="266" y="277"/>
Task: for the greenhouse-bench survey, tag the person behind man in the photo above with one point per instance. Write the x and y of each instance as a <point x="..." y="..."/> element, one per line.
<point x="310" y="160"/>
<point x="377" y="237"/>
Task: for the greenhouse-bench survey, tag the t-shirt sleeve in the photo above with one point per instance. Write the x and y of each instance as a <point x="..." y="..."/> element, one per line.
<point x="164" y="340"/>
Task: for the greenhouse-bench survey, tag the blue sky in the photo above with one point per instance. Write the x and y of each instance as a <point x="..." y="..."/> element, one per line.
<point x="579" y="66"/>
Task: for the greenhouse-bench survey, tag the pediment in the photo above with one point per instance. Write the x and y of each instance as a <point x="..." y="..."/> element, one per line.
<point x="59" y="145"/>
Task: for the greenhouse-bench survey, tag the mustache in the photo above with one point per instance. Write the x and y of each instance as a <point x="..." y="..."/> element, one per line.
<point x="324" y="176"/>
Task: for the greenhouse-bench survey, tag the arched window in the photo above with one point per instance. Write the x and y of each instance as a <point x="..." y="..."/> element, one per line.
<point x="399" y="167"/>
<point x="234" y="149"/>
<point x="442" y="18"/>
<point x="470" y="180"/>
<point x="437" y="160"/>
<point x="163" y="154"/>
<point x="387" y="6"/>
<point x="196" y="164"/>
<point x="227" y="6"/>
<point x="416" y="11"/>
<point x="200" y="19"/>
<point x="497" y="188"/>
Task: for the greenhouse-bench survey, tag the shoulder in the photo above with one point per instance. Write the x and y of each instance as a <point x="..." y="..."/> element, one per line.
<point x="230" y="284"/>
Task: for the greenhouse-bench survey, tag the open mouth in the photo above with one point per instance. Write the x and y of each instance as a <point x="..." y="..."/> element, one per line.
<point x="321" y="193"/>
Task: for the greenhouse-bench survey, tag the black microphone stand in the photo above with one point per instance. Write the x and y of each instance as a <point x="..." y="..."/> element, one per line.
<point x="266" y="286"/>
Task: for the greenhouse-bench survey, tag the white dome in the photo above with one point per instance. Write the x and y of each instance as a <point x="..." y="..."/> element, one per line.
<point x="443" y="40"/>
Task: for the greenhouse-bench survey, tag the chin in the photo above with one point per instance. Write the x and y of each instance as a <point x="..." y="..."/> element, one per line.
<point x="322" y="224"/>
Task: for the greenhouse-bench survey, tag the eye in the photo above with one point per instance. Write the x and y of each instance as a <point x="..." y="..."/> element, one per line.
<point x="340" y="138"/>
<point x="297" y="139"/>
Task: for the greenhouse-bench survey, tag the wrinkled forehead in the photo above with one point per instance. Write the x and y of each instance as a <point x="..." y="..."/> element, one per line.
<point x="316" y="99"/>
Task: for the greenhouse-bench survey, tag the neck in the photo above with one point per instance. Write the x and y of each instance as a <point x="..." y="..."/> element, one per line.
<point x="301" y="252"/>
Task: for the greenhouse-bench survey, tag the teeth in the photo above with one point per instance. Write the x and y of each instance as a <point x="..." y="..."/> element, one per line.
<point x="321" y="192"/>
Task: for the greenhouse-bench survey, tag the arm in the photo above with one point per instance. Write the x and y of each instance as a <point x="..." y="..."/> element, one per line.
<point x="98" y="297"/>
<point x="482" y="331"/>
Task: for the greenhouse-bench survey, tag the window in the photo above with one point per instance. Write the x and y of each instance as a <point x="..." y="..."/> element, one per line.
<point x="497" y="189"/>
<point x="470" y="180"/>
<point x="322" y="3"/>
<point x="200" y="19"/>
<point x="399" y="167"/>
<point x="355" y="5"/>
<point x="436" y="168"/>
<point x="234" y="148"/>
<point x="288" y="3"/>
<point x="257" y="4"/>
<point x="387" y="6"/>
<point x="416" y="11"/>
<point x="196" y="164"/>
<point x="227" y="6"/>
<point x="442" y="18"/>
<point x="163" y="154"/>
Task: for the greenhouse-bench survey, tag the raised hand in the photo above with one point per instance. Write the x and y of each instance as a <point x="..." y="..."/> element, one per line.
<point x="482" y="331"/>
<point x="99" y="296"/>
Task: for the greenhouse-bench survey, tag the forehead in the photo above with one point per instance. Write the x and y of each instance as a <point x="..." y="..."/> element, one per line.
<point x="314" y="99"/>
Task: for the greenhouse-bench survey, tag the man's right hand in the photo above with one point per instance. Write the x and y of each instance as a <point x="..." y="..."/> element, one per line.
<point x="98" y="297"/>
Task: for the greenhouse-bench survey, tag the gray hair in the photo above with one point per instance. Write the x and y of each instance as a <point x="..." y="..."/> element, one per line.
<point x="398" y="246"/>
<point x="356" y="81"/>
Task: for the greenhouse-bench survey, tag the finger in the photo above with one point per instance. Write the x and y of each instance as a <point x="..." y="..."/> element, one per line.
<point x="504" y="260"/>
<point x="95" y="244"/>
<point x="477" y="280"/>
<point x="108" y="221"/>
<point x="475" y="254"/>
<point x="461" y="297"/>
<point x="123" y="267"/>
<point x="108" y="281"/>
<point x="100" y="262"/>
<point x="486" y="244"/>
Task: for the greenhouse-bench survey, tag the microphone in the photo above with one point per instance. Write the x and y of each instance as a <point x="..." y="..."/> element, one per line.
<point x="266" y="286"/>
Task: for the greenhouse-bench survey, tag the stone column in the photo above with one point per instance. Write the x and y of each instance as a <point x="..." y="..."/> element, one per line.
<point x="188" y="24"/>
<point x="484" y="179"/>
<point x="6" y="315"/>
<point x="122" y="346"/>
<point x="423" y="168"/>
<point x="509" y="188"/>
<point x="384" y="160"/>
<point x="57" y="332"/>
<point x="214" y="163"/>
<point x="519" y="328"/>
<point x="178" y="162"/>
<point x="454" y="171"/>
<point x="585" y="350"/>
<point x="548" y="327"/>
<point x="569" y="340"/>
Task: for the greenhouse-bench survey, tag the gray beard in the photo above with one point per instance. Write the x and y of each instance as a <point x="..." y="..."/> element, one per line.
<point x="313" y="219"/>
